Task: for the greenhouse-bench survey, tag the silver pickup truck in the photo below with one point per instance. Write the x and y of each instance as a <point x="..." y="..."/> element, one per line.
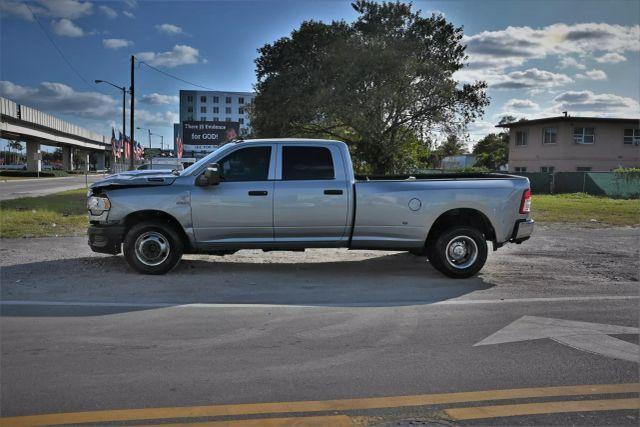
<point x="292" y="194"/>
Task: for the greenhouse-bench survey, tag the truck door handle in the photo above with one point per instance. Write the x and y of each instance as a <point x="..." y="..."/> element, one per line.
<point x="333" y="192"/>
<point x="258" y="193"/>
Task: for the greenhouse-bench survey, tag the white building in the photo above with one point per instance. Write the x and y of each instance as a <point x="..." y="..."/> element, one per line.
<point x="216" y="106"/>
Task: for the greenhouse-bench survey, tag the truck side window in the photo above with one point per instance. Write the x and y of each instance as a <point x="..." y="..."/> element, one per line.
<point x="304" y="163"/>
<point x="247" y="164"/>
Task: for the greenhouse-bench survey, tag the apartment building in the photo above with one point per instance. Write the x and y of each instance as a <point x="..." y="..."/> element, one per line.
<point x="573" y="144"/>
<point x="216" y="106"/>
<point x="212" y="106"/>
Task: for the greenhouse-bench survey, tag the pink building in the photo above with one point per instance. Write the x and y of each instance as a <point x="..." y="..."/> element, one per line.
<point x="573" y="144"/>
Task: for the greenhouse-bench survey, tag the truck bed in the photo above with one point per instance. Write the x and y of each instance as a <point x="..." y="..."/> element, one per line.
<point x="398" y="210"/>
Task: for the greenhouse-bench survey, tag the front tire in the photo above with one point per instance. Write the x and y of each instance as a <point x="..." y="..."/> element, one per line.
<point x="152" y="247"/>
<point x="459" y="252"/>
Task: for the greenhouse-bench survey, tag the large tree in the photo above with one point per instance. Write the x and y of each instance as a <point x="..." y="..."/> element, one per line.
<point x="382" y="84"/>
<point x="492" y="151"/>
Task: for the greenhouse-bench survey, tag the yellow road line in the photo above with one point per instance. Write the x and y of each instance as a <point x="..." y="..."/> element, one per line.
<point x="542" y="408"/>
<point x="330" y="420"/>
<point x="312" y="406"/>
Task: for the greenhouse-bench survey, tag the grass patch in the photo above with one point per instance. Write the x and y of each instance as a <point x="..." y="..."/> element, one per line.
<point x="11" y="178"/>
<point x="581" y="207"/>
<point x="60" y="214"/>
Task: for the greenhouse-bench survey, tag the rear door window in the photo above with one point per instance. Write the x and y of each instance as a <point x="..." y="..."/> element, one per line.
<point x="307" y="163"/>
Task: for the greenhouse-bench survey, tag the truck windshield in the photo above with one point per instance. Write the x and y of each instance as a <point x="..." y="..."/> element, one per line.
<point x="206" y="159"/>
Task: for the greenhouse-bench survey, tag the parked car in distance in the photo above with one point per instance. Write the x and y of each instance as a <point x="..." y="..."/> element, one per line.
<point x="292" y="194"/>
<point x="162" y="163"/>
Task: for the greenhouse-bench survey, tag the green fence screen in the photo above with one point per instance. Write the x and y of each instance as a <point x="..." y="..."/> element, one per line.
<point x="541" y="182"/>
<point x="612" y="184"/>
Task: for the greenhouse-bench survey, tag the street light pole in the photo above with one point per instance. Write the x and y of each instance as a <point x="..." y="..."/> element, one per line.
<point x="161" y="141"/>
<point x="124" y="96"/>
<point x="149" y="131"/>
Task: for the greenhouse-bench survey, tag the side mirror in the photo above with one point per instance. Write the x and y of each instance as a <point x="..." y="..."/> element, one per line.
<point x="210" y="177"/>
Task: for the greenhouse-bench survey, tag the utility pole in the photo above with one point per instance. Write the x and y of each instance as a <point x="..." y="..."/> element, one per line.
<point x="132" y="124"/>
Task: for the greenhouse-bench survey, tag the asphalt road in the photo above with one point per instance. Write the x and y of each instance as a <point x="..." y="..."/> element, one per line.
<point x="13" y="189"/>
<point x="329" y="330"/>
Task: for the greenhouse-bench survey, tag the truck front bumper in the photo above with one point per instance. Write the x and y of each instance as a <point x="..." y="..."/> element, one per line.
<point x="106" y="239"/>
<point x="522" y="231"/>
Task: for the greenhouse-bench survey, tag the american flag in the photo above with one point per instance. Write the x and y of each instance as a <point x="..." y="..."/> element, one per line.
<point x="179" y="147"/>
<point x="119" y="144"/>
<point x="127" y="149"/>
<point x="139" y="151"/>
<point x="114" y="152"/>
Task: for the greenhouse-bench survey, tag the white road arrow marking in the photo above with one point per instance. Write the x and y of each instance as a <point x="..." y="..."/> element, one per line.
<point x="585" y="336"/>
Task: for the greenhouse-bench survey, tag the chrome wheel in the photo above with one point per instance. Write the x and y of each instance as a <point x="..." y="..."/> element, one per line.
<point x="461" y="252"/>
<point x="152" y="248"/>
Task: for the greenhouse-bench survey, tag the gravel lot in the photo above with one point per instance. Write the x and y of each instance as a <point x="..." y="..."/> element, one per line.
<point x="64" y="269"/>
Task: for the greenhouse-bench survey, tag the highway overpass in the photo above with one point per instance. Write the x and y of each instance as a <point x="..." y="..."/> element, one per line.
<point x="35" y="128"/>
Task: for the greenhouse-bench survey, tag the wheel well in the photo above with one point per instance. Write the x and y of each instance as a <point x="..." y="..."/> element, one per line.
<point x="139" y="216"/>
<point x="463" y="216"/>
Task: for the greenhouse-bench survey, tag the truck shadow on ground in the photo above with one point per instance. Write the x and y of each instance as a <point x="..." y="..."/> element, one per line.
<point x="396" y="279"/>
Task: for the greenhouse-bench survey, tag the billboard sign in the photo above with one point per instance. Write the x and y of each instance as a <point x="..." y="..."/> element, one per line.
<point x="204" y="137"/>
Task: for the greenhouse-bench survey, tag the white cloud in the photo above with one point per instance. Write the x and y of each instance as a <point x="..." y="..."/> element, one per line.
<point x="70" y="9"/>
<point x="611" y="57"/>
<point x="592" y="75"/>
<point x="66" y="28"/>
<point x="532" y="78"/>
<point x="164" y="119"/>
<point x="159" y="99"/>
<point x="480" y="128"/>
<point x="128" y="14"/>
<point x="179" y="55"/>
<point x="18" y="9"/>
<point x="131" y="3"/>
<point x="588" y="103"/>
<point x="60" y="98"/>
<point x="108" y="12"/>
<point x="497" y="50"/>
<point x="520" y="104"/>
<point x="571" y="62"/>
<point x="116" y="43"/>
<point x="170" y="29"/>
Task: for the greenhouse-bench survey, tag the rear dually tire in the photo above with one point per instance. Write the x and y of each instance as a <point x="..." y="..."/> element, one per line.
<point x="458" y="252"/>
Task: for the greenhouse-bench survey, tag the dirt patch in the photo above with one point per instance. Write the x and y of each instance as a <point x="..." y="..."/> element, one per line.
<point x="559" y="260"/>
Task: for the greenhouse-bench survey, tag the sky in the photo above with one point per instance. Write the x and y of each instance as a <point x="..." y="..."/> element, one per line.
<point x="540" y="58"/>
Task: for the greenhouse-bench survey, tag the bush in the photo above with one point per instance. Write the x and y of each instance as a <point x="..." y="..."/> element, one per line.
<point x="81" y="172"/>
<point x="627" y="170"/>
<point x="472" y="169"/>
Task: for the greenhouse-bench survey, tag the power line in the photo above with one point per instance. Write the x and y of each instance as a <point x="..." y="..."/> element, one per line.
<point x="175" y="77"/>
<point x="181" y="79"/>
<point x="92" y="87"/>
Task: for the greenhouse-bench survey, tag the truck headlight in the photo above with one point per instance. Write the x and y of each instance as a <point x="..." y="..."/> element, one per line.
<point x="97" y="205"/>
